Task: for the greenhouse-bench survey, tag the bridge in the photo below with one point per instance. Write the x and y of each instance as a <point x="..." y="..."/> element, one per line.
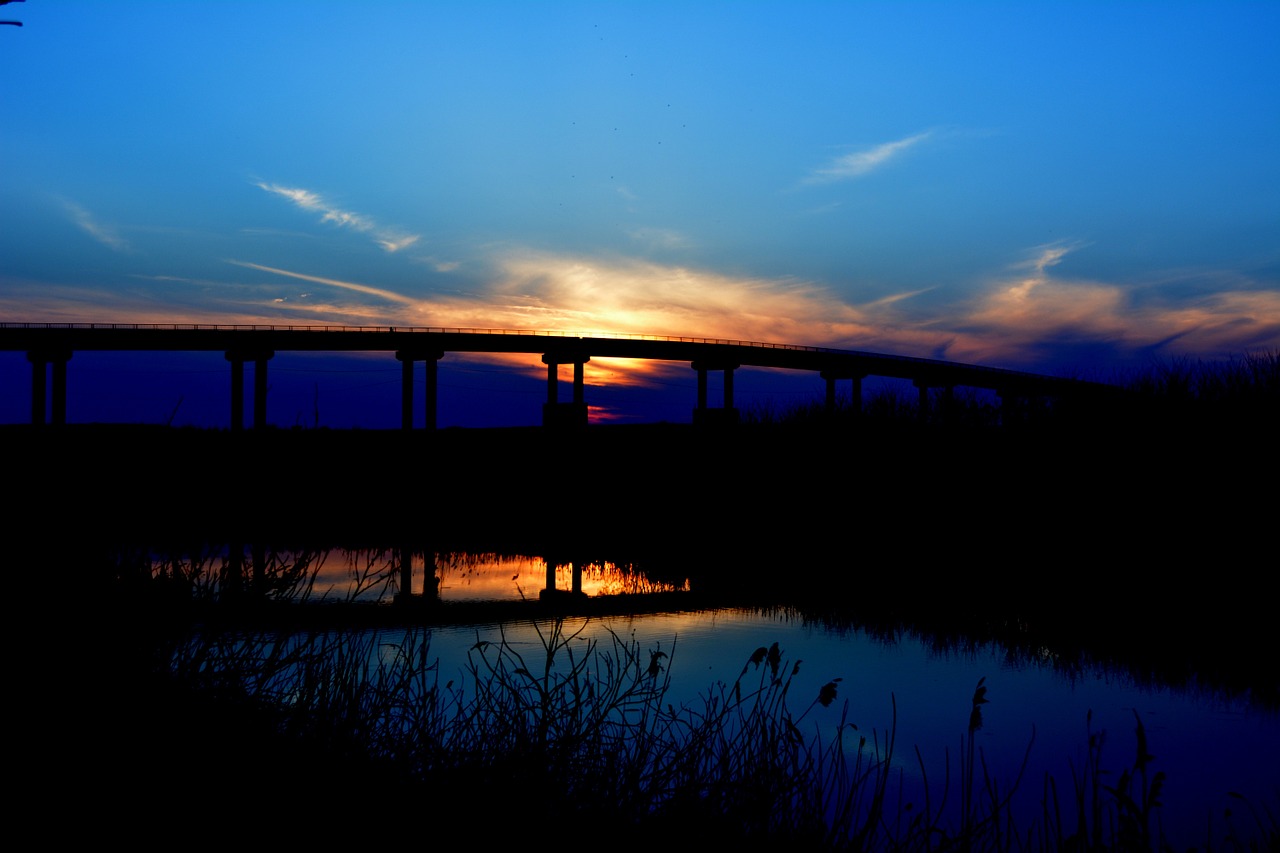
<point x="50" y="346"/>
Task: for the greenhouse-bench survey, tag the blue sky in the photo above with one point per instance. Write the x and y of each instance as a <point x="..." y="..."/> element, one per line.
<point x="1062" y="187"/>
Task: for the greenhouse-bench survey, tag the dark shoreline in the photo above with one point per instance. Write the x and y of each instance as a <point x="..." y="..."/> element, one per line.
<point x="1055" y="540"/>
<point x="1095" y="543"/>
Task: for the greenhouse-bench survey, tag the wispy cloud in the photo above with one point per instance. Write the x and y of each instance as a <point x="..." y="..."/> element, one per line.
<point x="1035" y="316"/>
<point x="439" y="265"/>
<point x="858" y="163"/>
<point x="390" y="239"/>
<point x="1032" y="315"/>
<point x="387" y="295"/>
<point x="104" y="234"/>
<point x="659" y="238"/>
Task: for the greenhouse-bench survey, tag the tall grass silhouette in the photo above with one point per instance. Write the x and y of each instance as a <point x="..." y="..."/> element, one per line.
<point x="584" y="731"/>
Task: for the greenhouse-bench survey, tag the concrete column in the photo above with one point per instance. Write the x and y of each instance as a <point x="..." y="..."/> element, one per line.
<point x="1007" y="407"/>
<point x="555" y="413"/>
<point x="831" y="394"/>
<point x="551" y="575"/>
<point x="407" y="359"/>
<point x="553" y="382"/>
<point x="58" y="402"/>
<point x="39" y="387"/>
<point x="432" y="401"/>
<point x="703" y="414"/>
<point x="577" y="577"/>
<point x="237" y="391"/>
<point x="260" y="390"/>
<point x="406" y="391"/>
<point x="42" y="394"/>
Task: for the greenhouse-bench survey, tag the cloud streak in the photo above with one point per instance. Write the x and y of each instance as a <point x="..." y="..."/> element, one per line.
<point x="1030" y="316"/>
<point x="1034" y="316"/>
<point x="104" y="234"/>
<point x="390" y="239"/>
<point x="387" y="295"/>
<point x="855" y="164"/>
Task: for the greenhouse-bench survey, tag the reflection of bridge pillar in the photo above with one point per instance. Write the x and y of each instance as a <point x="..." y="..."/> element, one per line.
<point x="704" y="414"/>
<point x="575" y="582"/>
<point x="259" y="554"/>
<point x="855" y="394"/>
<point x="41" y="394"/>
<point x="430" y="583"/>
<point x="237" y="359"/>
<point x="555" y="413"/>
<point x="431" y="406"/>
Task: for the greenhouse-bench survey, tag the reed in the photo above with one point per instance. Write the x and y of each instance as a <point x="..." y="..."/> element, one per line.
<point x="583" y="732"/>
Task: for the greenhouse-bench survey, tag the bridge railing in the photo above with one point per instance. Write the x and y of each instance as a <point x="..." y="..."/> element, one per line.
<point x="239" y="327"/>
<point x="882" y="359"/>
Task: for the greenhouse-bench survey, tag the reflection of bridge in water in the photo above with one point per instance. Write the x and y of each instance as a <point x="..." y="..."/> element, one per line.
<point x="50" y="346"/>
<point x="410" y="580"/>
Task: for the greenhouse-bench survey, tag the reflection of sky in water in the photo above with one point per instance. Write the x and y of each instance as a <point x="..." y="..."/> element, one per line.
<point x="1206" y="748"/>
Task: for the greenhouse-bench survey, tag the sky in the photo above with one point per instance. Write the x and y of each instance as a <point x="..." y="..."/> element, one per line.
<point x="1068" y="188"/>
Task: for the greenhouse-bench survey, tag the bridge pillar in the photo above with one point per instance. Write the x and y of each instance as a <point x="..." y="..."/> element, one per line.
<point x="406" y="401"/>
<point x="431" y="405"/>
<point x="922" y="411"/>
<point x="46" y="390"/>
<point x="259" y="359"/>
<point x="555" y="413"/>
<point x="703" y="413"/>
<point x="855" y="394"/>
<point x="946" y="405"/>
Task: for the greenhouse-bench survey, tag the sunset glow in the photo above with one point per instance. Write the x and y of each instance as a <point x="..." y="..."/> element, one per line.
<point x="912" y="180"/>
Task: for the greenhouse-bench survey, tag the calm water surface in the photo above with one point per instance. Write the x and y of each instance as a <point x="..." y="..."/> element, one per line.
<point x="1206" y="746"/>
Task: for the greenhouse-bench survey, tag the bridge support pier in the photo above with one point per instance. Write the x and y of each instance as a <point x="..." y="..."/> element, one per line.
<point x="431" y="360"/>
<point x="704" y="414"/>
<point x="946" y="406"/>
<point x="49" y="391"/>
<point x="855" y="394"/>
<point x="555" y="413"/>
<point x="259" y="359"/>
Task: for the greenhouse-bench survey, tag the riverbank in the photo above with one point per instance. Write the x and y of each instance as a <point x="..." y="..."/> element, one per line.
<point x="1078" y="543"/>
<point x="1114" y="544"/>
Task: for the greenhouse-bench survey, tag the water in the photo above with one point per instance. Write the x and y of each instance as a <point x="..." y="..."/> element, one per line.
<point x="1207" y="746"/>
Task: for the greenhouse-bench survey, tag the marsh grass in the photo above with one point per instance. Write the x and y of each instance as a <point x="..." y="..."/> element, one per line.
<point x="582" y="731"/>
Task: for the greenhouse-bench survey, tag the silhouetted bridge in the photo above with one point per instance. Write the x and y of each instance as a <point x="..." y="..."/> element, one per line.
<point x="49" y="346"/>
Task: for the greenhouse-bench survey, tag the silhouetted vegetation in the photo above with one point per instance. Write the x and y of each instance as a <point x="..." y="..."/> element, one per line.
<point x="580" y="736"/>
<point x="1061" y="536"/>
